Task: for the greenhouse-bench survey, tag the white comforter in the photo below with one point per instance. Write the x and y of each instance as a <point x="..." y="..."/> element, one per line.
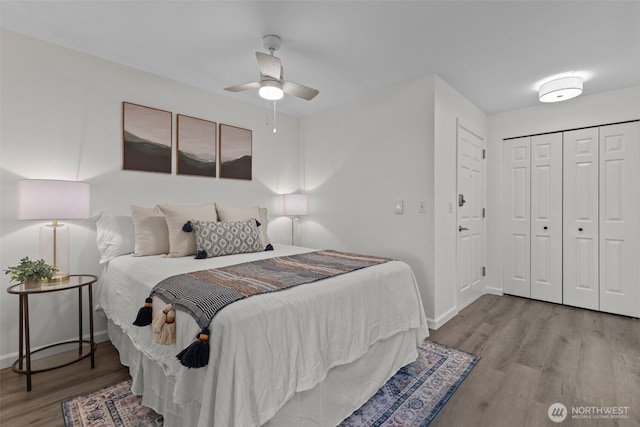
<point x="265" y="348"/>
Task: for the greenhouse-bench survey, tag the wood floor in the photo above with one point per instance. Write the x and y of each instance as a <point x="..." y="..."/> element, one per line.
<point x="532" y="354"/>
<point x="41" y="405"/>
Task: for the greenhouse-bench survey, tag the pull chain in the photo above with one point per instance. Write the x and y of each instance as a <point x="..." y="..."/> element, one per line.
<point x="266" y="123"/>
<point x="266" y="119"/>
<point x="274" y="117"/>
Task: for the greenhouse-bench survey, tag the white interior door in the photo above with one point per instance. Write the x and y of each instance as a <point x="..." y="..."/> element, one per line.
<point x="620" y="219"/>
<point x="516" y="217"/>
<point x="580" y="218"/>
<point x="546" y="217"/>
<point x="470" y="244"/>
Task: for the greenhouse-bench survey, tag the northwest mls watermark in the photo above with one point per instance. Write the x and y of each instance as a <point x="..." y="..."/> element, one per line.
<point x="557" y="412"/>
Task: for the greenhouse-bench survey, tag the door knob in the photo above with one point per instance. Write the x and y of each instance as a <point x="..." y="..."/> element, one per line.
<point x="579" y="228"/>
<point x="545" y="228"/>
<point x="461" y="228"/>
<point x="461" y="200"/>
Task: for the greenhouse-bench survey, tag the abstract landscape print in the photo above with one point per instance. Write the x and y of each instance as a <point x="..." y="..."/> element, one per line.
<point x="196" y="146"/>
<point x="146" y="135"/>
<point x="235" y="152"/>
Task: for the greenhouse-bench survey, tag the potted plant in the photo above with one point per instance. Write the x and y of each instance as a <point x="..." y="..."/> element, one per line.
<point x="30" y="271"/>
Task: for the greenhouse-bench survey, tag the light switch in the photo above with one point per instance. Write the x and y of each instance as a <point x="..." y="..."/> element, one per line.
<point x="400" y="207"/>
<point x="422" y="206"/>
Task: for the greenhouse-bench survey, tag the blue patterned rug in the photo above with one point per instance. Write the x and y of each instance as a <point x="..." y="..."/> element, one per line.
<point x="411" y="398"/>
<point x="417" y="392"/>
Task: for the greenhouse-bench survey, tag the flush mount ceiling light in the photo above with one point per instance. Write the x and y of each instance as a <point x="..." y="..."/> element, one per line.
<point x="560" y="89"/>
<point x="271" y="90"/>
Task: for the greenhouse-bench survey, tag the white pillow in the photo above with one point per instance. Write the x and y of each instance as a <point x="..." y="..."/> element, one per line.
<point x="114" y="236"/>
<point x="230" y="214"/>
<point x="182" y="243"/>
<point x="151" y="234"/>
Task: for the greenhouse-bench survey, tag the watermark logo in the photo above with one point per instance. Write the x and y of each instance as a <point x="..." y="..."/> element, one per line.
<point x="557" y="412"/>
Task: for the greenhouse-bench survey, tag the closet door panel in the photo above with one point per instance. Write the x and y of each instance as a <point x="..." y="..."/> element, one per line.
<point x="516" y="215"/>
<point x="546" y="217"/>
<point x="580" y="218"/>
<point x="620" y="219"/>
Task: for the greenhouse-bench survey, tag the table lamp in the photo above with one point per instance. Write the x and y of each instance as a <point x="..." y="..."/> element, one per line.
<point x="54" y="200"/>
<point x="294" y="205"/>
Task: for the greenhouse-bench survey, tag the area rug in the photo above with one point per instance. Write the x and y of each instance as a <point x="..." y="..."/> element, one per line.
<point x="411" y="398"/>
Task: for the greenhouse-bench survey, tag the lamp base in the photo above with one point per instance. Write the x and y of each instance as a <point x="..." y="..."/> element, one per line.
<point x="54" y="249"/>
<point x="58" y="278"/>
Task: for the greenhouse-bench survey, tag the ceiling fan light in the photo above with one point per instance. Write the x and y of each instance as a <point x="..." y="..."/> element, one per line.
<point x="560" y="89"/>
<point x="271" y="90"/>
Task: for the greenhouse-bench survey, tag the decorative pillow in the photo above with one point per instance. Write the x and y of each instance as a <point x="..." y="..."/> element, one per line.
<point x="151" y="234"/>
<point x="181" y="243"/>
<point x="228" y="214"/>
<point x="114" y="235"/>
<point x="226" y="238"/>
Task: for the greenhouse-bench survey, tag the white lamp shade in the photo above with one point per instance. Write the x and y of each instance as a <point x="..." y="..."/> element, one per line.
<point x="52" y="199"/>
<point x="295" y="204"/>
<point x="560" y="89"/>
<point x="271" y="90"/>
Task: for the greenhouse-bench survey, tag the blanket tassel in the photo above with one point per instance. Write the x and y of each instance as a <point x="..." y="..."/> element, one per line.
<point x="145" y="314"/>
<point x="167" y="335"/>
<point x="160" y="319"/>
<point x="197" y="354"/>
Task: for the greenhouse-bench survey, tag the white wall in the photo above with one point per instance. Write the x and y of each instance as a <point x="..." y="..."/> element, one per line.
<point x="598" y="109"/>
<point x="451" y="107"/>
<point x="398" y="144"/>
<point x="359" y="159"/>
<point x="62" y="119"/>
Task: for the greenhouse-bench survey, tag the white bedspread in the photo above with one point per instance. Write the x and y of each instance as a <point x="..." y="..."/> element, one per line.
<point x="265" y="348"/>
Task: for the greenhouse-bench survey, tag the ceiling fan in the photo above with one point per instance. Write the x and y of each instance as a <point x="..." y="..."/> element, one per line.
<point x="272" y="85"/>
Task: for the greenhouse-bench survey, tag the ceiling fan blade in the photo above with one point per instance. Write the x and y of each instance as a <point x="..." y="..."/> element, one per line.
<point x="299" y="90"/>
<point x="270" y="65"/>
<point x="245" y="86"/>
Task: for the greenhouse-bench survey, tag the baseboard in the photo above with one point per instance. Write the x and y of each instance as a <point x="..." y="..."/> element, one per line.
<point x="494" y="291"/>
<point x="442" y="319"/>
<point x="6" y="360"/>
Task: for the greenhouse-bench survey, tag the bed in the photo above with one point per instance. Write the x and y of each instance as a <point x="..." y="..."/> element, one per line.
<point x="305" y="356"/>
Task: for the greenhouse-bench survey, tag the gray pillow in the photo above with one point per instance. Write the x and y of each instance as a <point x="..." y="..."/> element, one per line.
<point x="226" y="238"/>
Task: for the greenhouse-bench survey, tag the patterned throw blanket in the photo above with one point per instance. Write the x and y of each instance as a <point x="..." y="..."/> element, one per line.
<point x="204" y="293"/>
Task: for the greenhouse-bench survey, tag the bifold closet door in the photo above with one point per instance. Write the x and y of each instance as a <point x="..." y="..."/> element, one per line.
<point x="620" y="219"/>
<point x="546" y="217"/>
<point x="580" y="218"/>
<point x="516" y="204"/>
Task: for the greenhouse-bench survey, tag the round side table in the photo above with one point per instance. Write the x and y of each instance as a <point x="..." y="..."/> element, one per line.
<point x="85" y="348"/>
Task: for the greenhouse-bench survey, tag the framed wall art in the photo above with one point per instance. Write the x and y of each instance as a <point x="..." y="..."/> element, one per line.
<point x="196" y="146"/>
<point x="235" y="152"/>
<point x="146" y="136"/>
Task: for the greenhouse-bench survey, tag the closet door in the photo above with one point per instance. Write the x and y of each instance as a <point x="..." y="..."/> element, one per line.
<point x="620" y="219"/>
<point x="580" y="218"/>
<point x="516" y="217"/>
<point x="546" y="217"/>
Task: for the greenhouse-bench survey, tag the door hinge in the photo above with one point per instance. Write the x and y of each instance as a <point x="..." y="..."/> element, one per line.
<point x="483" y="212"/>
<point x="484" y="153"/>
<point x="484" y="271"/>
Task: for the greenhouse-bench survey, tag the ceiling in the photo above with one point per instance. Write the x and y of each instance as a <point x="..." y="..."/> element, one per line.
<point x="495" y="53"/>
